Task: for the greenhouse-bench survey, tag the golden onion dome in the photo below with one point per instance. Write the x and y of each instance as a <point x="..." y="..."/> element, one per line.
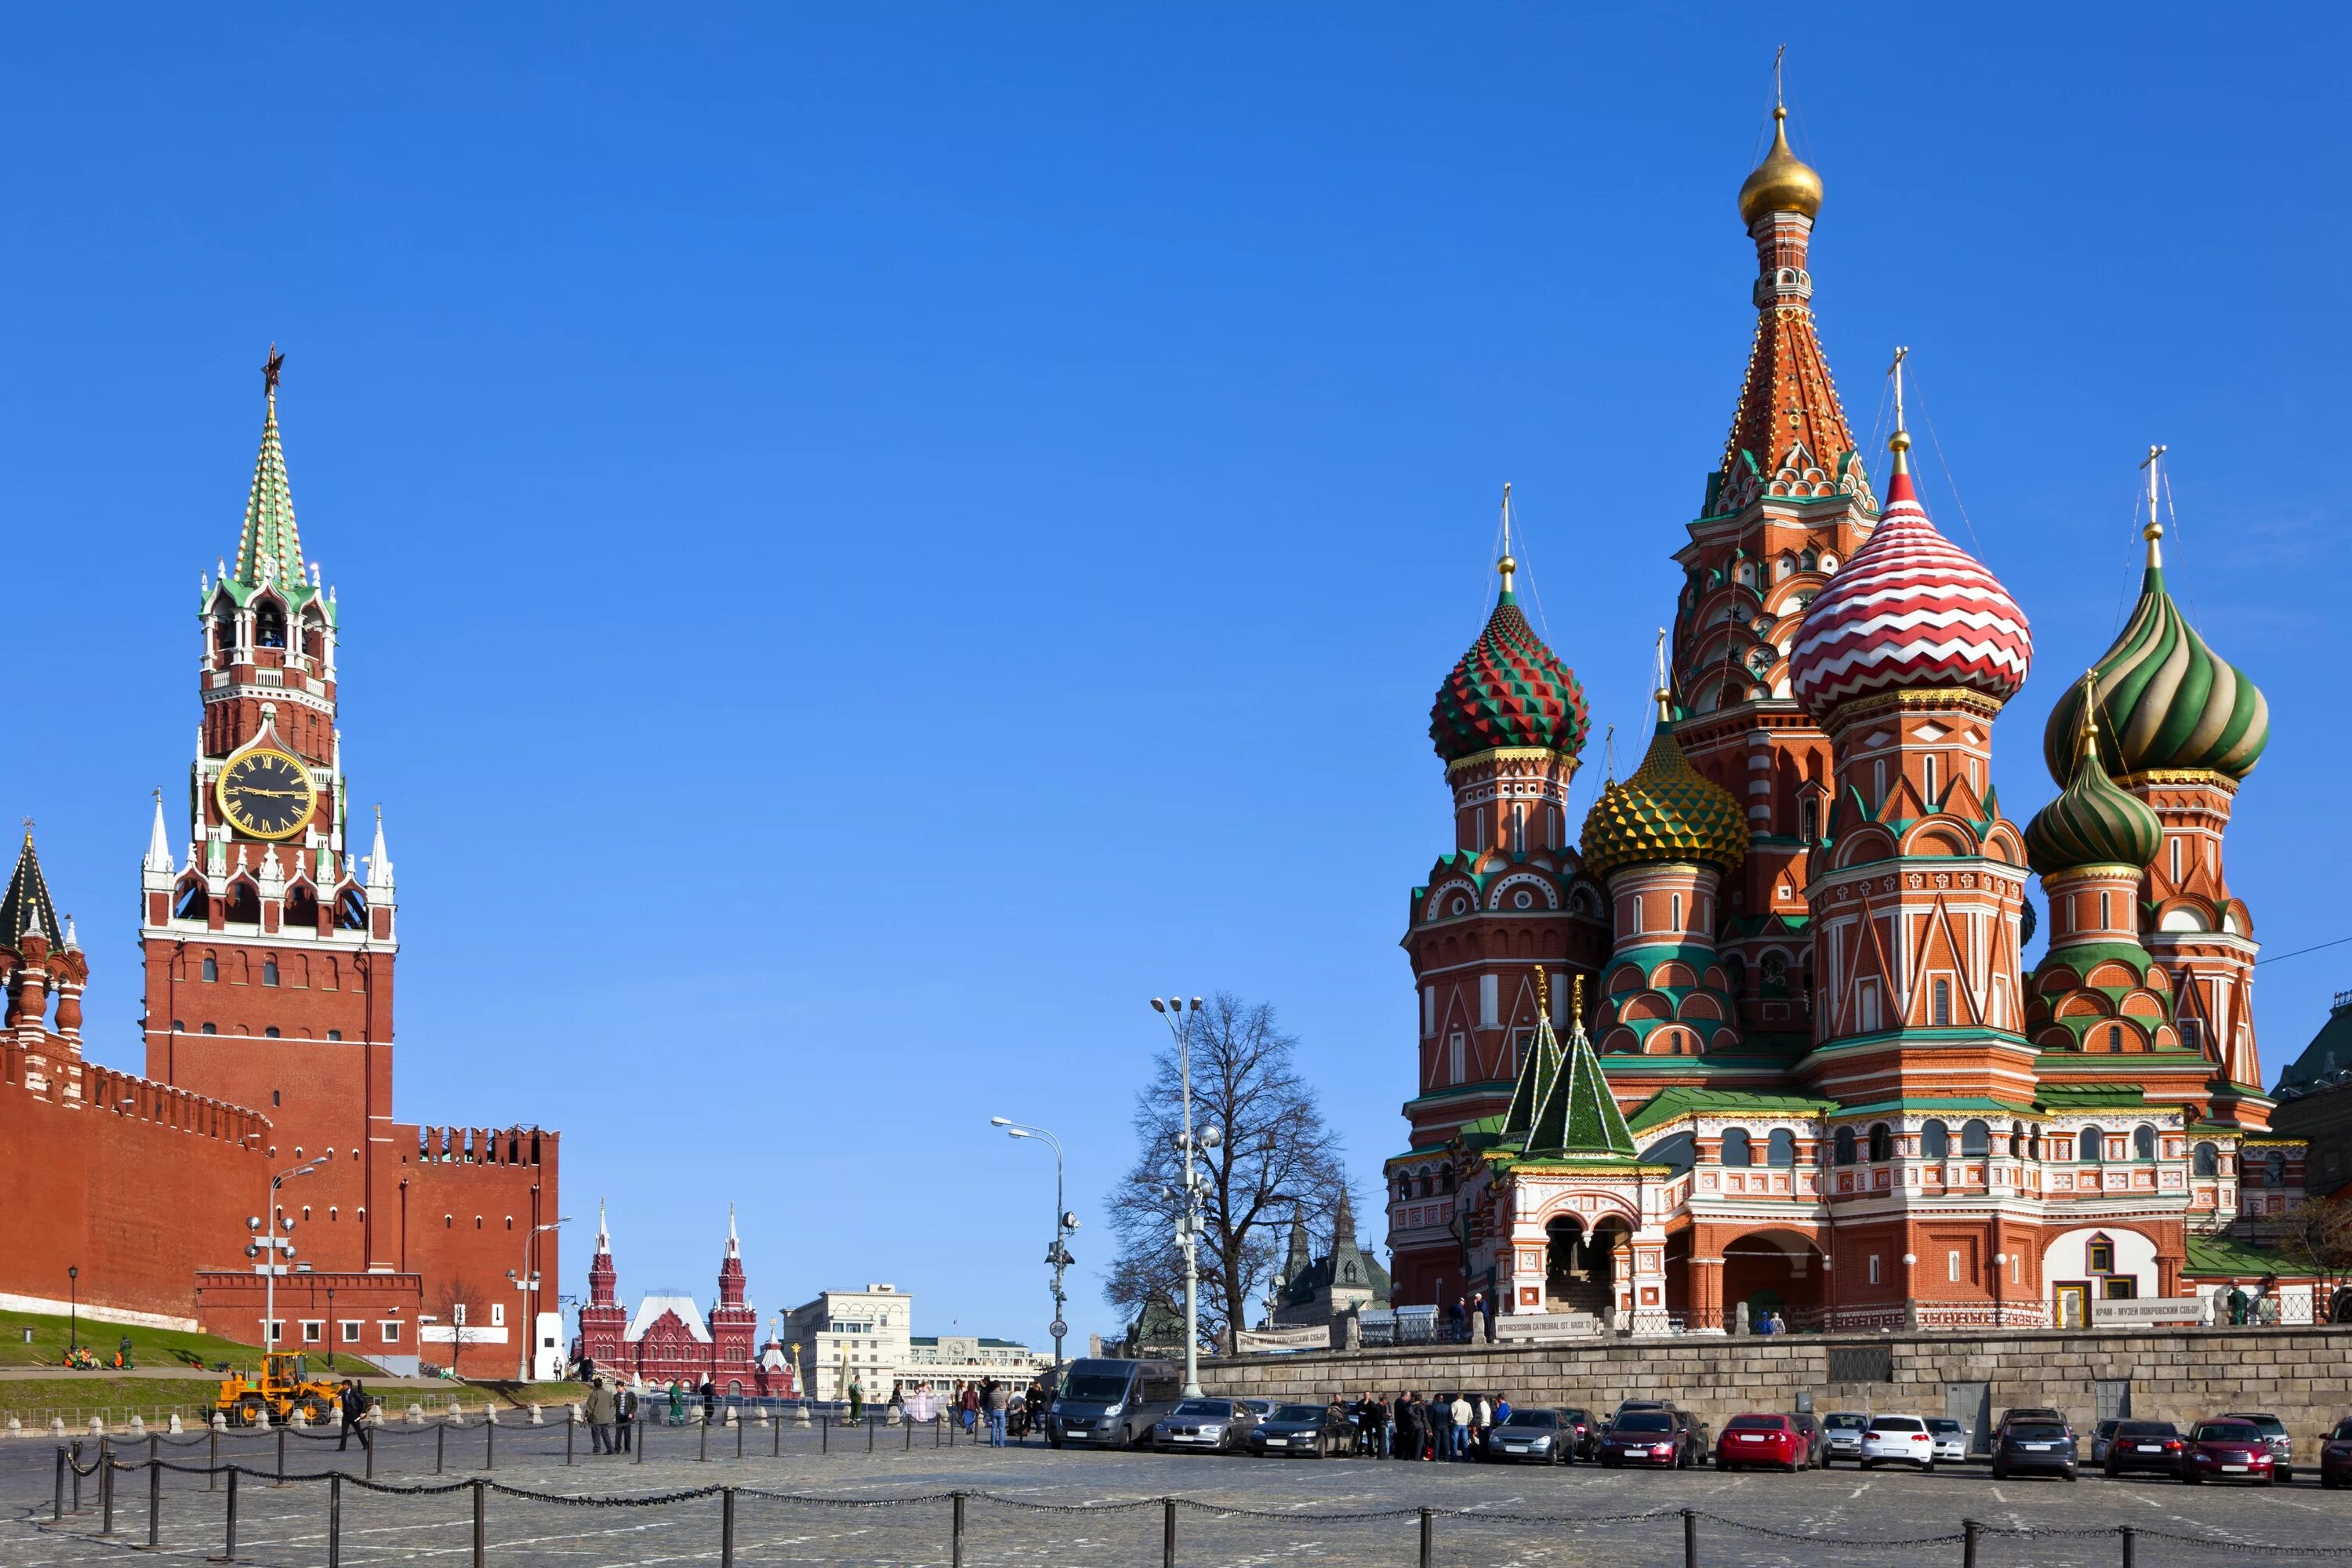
<point x="1668" y="811"/>
<point x="1782" y="183"/>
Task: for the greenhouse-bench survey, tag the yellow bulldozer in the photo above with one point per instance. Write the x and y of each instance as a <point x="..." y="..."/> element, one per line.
<point x="285" y="1386"/>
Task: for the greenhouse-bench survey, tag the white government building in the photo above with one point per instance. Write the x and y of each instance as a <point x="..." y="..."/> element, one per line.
<point x="867" y="1337"/>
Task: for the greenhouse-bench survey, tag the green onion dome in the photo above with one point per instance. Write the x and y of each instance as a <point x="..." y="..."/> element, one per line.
<point x="1510" y="689"/>
<point x="1668" y="811"/>
<point x="2165" y="699"/>
<point x="2092" y="822"/>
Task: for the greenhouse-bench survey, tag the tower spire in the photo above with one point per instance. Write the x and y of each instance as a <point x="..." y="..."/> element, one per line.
<point x="2154" y="531"/>
<point x="1507" y="567"/>
<point x="269" y="547"/>
<point x="1899" y="442"/>
<point x="158" y="841"/>
<point x="734" y="1248"/>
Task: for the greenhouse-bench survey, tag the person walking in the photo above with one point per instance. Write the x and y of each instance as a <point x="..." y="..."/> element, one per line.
<point x="678" y="1401"/>
<point x="1462" y="1413"/>
<point x="709" y="1401"/>
<point x="1000" y="1402"/>
<point x="354" y="1402"/>
<point x="1368" y="1426"/>
<point x="1457" y="1320"/>
<point x="600" y="1413"/>
<point x="625" y="1419"/>
<point x="969" y="1403"/>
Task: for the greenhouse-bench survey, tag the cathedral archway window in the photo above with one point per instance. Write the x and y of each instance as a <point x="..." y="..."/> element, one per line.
<point x="2143" y="1141"/>
<point x="224" y="632"/>
<point x="1845" y="1145"/>
<point x="302" y="909"/>
<point x="1786" y="564"/>
<point x="193" y="903"/>
<point x="351" y="910"/>
<point x="1780" y="1149"/>
<point x="1811" y="560"/>
<point x="209" y="1029"/>
<point x="270" y="1033"/>
<point x="1882" y="1142"/>
<point x="1736" y="1149"/>
<point x="2274" y="1170"/>
<point x="270" y="625"/>
<point x="269" y="971"/>
<point x="2206" y="1161"/>
<point x="244" y="904"/>
<point x="2115" y="1039"/>
<point x="1976" y="1139"/>
<point x="1936" y="1141"/>
<point x="2091" y="1146"/>
<point x="212" y="967"/>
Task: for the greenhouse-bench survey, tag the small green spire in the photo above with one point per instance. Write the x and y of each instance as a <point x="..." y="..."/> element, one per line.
<point x="269" y="545"/>
<point x="1579" y="1116"/>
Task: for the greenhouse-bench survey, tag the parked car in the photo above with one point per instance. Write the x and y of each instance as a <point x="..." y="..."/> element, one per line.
<point x="1531" y="1437"/>
<point x="2145" y="1446"/>
<point x="2100" y="1436"/>
<point x="1214" y="1426"/>
<point x="2022" y="1447"/>
<point x="2335" y="1456"/>
<point x="1315" y="1430"/>
<point x="1951" y="1439"/>
<point x="1761" y="1438"/>
<point x="2227" y="1450"/>
<point x="1842" y="1430"/>
<point x="1816" y="1440"/>
<point x="2041" y="1413"/>
<point x="2274" y="1433"/>
<point x="1261" y="1408"/>
<point x="1654" y="1436"/>
<point x="1898" y="1441"/>
<point x="1587" y="1427"/>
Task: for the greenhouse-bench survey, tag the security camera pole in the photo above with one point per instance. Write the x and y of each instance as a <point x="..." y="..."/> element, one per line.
<point x="1057" y="1257"/>
<point x="1188" y="1229"/>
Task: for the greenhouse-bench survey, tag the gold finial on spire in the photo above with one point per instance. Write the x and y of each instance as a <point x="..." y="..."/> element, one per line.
<point x="1508" y="566"/>
<point x="1543" y="991"/>
<point x="269" y="373"/>
<point x="1663" y="690"/>
<point x="2090" y="733"/>
<point x="1576" y="1004"/>
<point x="2154" y="531"/>
<point x="1899" y="443"/>
<point x="1782" y="183"/>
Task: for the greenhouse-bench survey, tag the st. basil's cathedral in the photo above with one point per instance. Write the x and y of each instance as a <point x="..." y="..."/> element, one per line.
<point x="1761" y="1041"/>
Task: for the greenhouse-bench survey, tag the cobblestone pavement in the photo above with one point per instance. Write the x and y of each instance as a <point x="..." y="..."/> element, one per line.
<point x="1031" y="1506"/>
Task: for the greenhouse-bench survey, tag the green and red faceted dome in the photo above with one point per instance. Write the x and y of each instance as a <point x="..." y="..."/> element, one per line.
<point x="1508" y="691"/>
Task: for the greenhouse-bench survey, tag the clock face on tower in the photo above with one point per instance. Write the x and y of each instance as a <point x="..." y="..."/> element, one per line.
<point x="266" y="795"/>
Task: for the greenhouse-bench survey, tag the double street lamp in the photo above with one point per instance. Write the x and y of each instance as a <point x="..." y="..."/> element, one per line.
<point x="1057" y="1257"/>
<point x="526" y="1279"/>
<point x="272" y="1236"/>
<point x="1179" y="1015"/>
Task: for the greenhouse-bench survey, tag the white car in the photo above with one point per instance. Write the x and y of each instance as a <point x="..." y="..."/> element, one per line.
<point x="1898" y="1441"/>
<point x="1952" y="1438"/>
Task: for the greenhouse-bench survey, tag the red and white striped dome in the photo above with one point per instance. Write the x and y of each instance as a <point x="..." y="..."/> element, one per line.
<point x="1910" y="608"/>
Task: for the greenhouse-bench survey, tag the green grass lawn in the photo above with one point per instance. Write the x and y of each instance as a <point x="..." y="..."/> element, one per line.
<point x="148" y="1347"/>
<point x="75" y="1397"/>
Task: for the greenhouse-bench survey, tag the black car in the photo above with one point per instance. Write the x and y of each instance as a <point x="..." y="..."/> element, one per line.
<point x="1587" y="1427"/>
<point x="1668" y="1439"/>
<point x="2025" y="1447"/>
<point x="1532" y="1436"/>
<point x="2041" y="1413"/>
<point x="2146" y="1446"/>
<point x="1318" y="1431"/>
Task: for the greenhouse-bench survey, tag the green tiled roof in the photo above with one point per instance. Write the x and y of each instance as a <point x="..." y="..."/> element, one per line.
<point x="269" y="546"/>
<point x="1561" y="1105"/>
<point x="2228" y="1254"/>
<point x="1922" y="1102"/>
<point x="1682" y="1100"/>
<point x="2084" y="1095"/>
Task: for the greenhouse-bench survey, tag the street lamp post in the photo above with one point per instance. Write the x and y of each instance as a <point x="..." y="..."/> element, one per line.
<point x="1188" y="1231"/>
<point x="330" y="1326"/>
<point x="73" y="1309"/>
<point x="526" y="1280"/>
<point x="272" y="1236"/>
<point x="1058" y="1255"/>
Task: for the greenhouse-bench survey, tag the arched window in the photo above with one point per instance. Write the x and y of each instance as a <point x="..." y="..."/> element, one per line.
<point x="351" y="910"/>
<point x="2091" y="1146"/>
<point x="1940" y="1006"/>
<point x="1844" y="1145"/>
<point x="1786" y="564"/>
<point x="2275" y="1169"/>
<point x="1976" y="1139"/>
<point x="243" y="903"/>
<point x="209" y="1029"/>
<point x="269" y="971"/>
<point x="1882" y="1142"/>
<point x="212" y="967"/>
<point x="2143" y="1141"/>
<point x="270" y="1033"/>
<point x="2017" y="1139"/>
<point x="1737" y="1150"/>
<point x="1780" y="1149"/>
<point x="2115" y="1039"/>
<point x="1936" y="1141"/>
<point x="225" y="631"/>
<point x="302" y="907"/>
<point x="2206" y="1160"/>
<point x="270" y="625"/>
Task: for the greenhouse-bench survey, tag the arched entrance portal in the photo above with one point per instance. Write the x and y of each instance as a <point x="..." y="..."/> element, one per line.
<point x="1772" y="1271"/>
<point x="1580" y="1267"/>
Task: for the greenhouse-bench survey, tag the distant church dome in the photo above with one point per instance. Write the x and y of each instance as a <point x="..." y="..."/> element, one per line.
<point x="1667" y="812"/>
<point x="1510" y="689"/>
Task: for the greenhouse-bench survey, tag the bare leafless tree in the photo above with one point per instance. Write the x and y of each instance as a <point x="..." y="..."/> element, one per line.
<point x="2318" y="1234"/>
<point x="1278" y="1158"/>
<point x="462" y="1312"/>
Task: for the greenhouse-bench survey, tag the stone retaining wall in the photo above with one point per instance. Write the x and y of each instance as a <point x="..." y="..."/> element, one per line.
<point x="2303" y="1375"/>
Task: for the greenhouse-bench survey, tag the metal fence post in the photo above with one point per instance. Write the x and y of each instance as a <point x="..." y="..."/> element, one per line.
<point x="212" y="1457"/>
<point x="779" y="1433"/>
<point x="229" y="1547"/>
<point x="335" y="1519"/>
<point x="477" y="1521"/>
<point x="105" y="1489"/>
<point x="154" y="1505"/>
<point x="281" y="1456"/>
<point x="58" y="1505"/>
<point x="957" y="1561"/>
<point x="1168" y="1532"/>
<point x="2131" y="1539"/>
<point x="910" y="1427"/>
<point x="569" y="1427"/>
<point x="1690" y="1538"/>
<point x="1428" y="1528"/>
<point x="727" y="1527"/>
<point x="739" y="1435"/>
<point x="490" y="1441"/>
<point x="367" y="1449"/>
<point x="76" y="1468"/>
<point x="154" y="1445"/>
<point x="702" y="1439"/>
<point x="440" y="1445"/>
<point x="637" y="1440"/>
<point x="824" y="1432"/>
<point x="870" y="1424"/>
<point x="1968" y="1544"/>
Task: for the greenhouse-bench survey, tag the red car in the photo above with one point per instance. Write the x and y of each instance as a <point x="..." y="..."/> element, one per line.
<point x="2227" y="1451"/>
<point x="2335" y="1456"/>
<point x="1762" y="1438"/>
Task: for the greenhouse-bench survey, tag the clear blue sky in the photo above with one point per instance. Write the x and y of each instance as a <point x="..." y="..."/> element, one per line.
<point x="870" y="539"/>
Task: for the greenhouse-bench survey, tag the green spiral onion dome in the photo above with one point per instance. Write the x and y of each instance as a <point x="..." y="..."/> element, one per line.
<point x="1668" y="811"/>
<point x="2092" y="822"/>
<point x="1510" y="689"/>
<point x="2164" y="700"/>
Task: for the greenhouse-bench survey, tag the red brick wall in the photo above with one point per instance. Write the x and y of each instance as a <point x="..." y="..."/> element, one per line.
<point x="470" y="1198"/>
<point x="140" y="1186"/>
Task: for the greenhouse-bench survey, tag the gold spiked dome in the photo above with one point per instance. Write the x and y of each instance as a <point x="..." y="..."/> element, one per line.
<point x="1667" y="812"/>
<point x="1782" y="183"/>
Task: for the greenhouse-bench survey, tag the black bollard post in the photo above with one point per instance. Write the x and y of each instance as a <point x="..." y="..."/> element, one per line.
<point x="824" y="1432"/>
<point x="440" y="1444"/>
<point x="335" y="1519"/>
<point x="957" y="1561"/>
<point x="937" y="1422"/>
<point x="780" y="1432"/>
<point x="1168" y="1532"/>
<point x="477" y="1522"/>
<point x="739" y="1434"/>
<point x="105" y="1491"/>
<point x="57" y="1504"/>
<point x="2131" y="1539"/>
<point x="569" y="1427"/>
<point x="155" y="1446"/>
<point x="1690" y="1538"/>
<point x="909" y="1428"/>
<point x="154" y="1506"/>
<point x="727" y="1527"/>
<point x="490" y="1441"/>
<point x="281" y="1454"/>
<point x="1428" y="1526"/>
<point x="870" y="1424"/>
<point x="367" y="1448"/>
<point x="212" y="1458"/>
<point x="1968" y="1544"/>
<point x="228" y="1548"/>
<point x="702" y="1439"/>
<point x="76" y="1479"/>
<point x="637" y="1443"/>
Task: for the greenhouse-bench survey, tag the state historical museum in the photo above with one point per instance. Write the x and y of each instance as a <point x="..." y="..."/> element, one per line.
<point x="270" y="942"/>
<point x="1811" y="1073"/>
